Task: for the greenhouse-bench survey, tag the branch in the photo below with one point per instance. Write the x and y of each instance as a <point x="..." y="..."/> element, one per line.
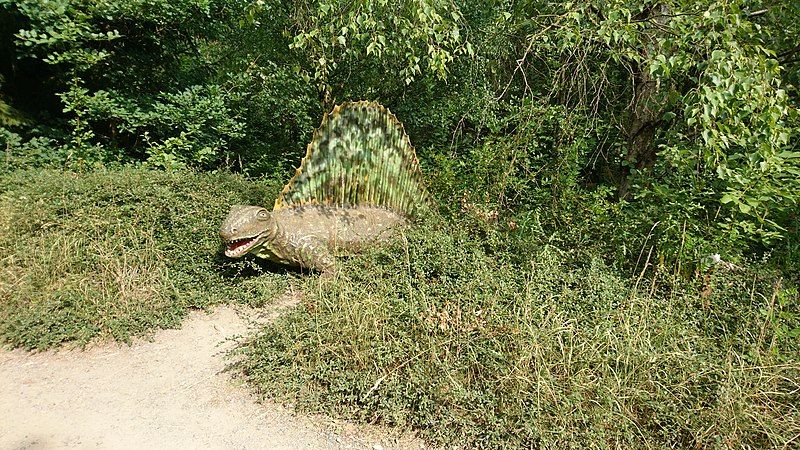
<point x="599" y="13"/>
<point x="644" y="14"/>
<point x="760" y="12"/>
<point x="789" y="52"/>
<point x="659" y="16"/>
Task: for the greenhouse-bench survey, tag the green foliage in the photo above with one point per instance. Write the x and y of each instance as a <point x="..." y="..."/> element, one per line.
<point x="707" y="74"/>
<point x="117" y="253"/>
<point x="61" y="35"/>
<point x="619" y="184"/>
<point x="80" y="36"/>
<point x="16" y="152"/>
<point x="743" y="115"/>
<point x="204" y="124"/>
<point x="8" y="116"/>
<point x="434" y="333"/>
<point x="398" y="37"/>
<point x="655" y="96"/>
<point x="152" y="80"/>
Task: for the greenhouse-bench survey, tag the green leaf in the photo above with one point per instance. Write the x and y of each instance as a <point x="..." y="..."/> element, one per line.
<point x="745" y="208"/>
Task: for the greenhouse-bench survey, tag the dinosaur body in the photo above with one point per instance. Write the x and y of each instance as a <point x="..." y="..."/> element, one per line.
<point x="310" y="236"/>
<point x="359" y="179"/>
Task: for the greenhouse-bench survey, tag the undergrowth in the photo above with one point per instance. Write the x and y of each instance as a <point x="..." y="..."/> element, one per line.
<point x="117" y="253"/>
<point x="476" y="351"/>
<point x="473" y="336"/>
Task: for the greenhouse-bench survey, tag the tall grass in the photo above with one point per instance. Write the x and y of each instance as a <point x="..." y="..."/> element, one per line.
<point x="117" y="253"/>
<point x="472" y="350"/>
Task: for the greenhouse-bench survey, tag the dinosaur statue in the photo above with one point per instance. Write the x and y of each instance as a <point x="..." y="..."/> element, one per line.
<point x="360" y="178"/>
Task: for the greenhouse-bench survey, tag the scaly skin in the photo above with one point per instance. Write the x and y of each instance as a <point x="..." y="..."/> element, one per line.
<point x="359" y="178"/>
<point x="308" y="236"/>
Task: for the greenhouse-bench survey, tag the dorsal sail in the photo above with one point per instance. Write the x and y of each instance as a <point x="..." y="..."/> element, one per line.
<point x="359" y="156"/>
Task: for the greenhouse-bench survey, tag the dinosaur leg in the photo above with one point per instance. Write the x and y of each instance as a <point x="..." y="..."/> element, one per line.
<point x="314" y="254"/>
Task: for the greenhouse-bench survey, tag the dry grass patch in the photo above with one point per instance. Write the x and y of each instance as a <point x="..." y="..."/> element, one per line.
<point x="116" y="253"/>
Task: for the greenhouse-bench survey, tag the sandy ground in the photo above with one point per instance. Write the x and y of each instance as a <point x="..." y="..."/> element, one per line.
<point x="170" y="392"/>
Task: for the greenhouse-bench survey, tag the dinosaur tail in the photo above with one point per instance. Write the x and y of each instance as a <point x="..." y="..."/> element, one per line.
<point x="360" y="155"/>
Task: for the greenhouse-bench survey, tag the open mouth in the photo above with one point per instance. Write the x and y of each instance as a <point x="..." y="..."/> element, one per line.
<point x="238" y="247"/>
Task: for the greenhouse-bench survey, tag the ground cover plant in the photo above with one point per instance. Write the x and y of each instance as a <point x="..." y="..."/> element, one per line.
<point x="437" y="334"/>
<point x="117" y="253"/>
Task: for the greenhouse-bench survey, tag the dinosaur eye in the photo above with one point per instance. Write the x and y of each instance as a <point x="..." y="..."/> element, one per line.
<point x="263" y="215"/>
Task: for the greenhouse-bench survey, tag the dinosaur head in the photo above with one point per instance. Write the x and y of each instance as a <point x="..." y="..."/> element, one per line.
<point x="246" y="229"/>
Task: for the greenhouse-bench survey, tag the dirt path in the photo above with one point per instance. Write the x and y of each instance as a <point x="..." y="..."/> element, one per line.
<point x="167" y="393"/>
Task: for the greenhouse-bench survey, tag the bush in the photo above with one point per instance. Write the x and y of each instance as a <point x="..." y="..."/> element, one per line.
<point x="174" y="83"/>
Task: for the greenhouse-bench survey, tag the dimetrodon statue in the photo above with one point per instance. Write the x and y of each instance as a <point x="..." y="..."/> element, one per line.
<point x="359" y="180"/>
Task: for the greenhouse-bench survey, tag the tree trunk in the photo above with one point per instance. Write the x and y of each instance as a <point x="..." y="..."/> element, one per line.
<point x="643" y="112"/>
